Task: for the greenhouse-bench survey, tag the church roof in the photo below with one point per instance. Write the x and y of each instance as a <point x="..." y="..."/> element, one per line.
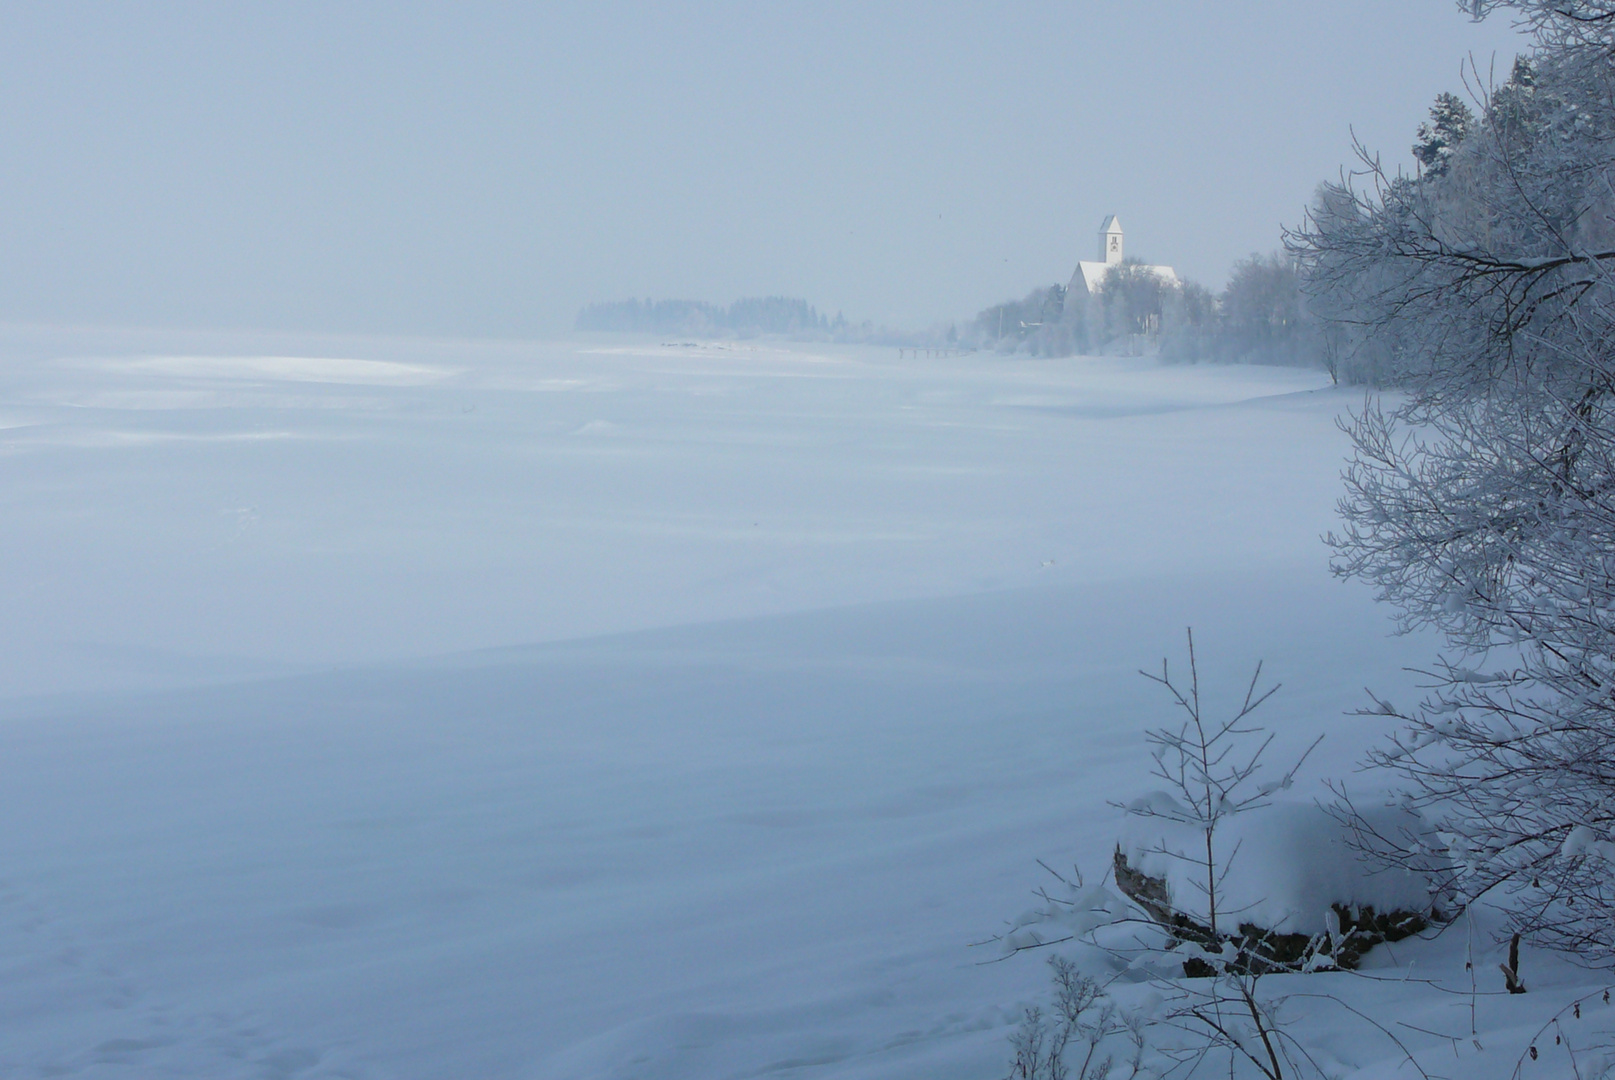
<point x="1112" y="223"/>
<point x="1090" y="274"/>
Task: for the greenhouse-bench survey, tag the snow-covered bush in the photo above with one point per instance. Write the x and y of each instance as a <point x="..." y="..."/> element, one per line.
<point x="1292" y="871"/>
<point x="1216" y="883"/>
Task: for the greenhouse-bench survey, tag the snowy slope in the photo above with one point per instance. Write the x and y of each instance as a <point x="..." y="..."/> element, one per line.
<point x="806" y="704"/>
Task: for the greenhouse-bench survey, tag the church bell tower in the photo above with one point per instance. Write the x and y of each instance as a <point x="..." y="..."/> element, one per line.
<point x="1110" y="240"/>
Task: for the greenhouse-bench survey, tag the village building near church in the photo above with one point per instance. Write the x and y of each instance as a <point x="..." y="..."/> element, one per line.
<point x="1086" y="281"/>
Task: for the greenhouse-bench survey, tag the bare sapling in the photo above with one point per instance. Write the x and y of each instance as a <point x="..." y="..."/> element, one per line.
<point x="1210" y="767"/>
<point x="1073" y="1041"/>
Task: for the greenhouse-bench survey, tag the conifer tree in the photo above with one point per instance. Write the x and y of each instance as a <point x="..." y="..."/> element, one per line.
<point x="1438" y="138"/>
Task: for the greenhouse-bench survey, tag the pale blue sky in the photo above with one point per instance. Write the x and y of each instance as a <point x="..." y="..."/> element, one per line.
<point x="474" y="169"/>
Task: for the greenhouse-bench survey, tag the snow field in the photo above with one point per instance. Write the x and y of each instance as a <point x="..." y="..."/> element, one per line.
<point x="622" y="712"/>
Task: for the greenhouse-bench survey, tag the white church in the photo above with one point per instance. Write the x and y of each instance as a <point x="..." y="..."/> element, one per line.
<point x="1085" y="282"/>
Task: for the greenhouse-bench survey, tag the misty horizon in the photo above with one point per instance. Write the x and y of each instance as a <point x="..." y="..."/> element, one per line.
<point x="487" y="173"/>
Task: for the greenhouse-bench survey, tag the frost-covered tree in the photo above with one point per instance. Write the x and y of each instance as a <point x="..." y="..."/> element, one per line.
<point x="1132" y="296"/>
<point x="1439" y="137"/>
<point x="1261" y="316"/>
<point x="1556" y="24"/>
<point x="1481" y="500"/>
<point x="1033" y="319"/>
<point x="1189" y="322"/>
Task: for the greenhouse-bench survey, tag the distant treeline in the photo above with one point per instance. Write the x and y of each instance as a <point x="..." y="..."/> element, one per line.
<point x="1259" y="317"/>
<point x="743" y="318"/>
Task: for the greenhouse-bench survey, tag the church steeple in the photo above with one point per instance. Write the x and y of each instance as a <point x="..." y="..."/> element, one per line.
<point x="1110" y="240"/>
<point x="1090" y="275"/>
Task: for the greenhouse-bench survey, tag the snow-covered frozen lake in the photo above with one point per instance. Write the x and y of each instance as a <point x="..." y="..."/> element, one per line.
<point x="174" y="509"/>
<point x="602" y="709"/>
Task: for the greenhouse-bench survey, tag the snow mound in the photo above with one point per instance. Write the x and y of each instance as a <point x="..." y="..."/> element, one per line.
<point x="1281" y="867"/>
